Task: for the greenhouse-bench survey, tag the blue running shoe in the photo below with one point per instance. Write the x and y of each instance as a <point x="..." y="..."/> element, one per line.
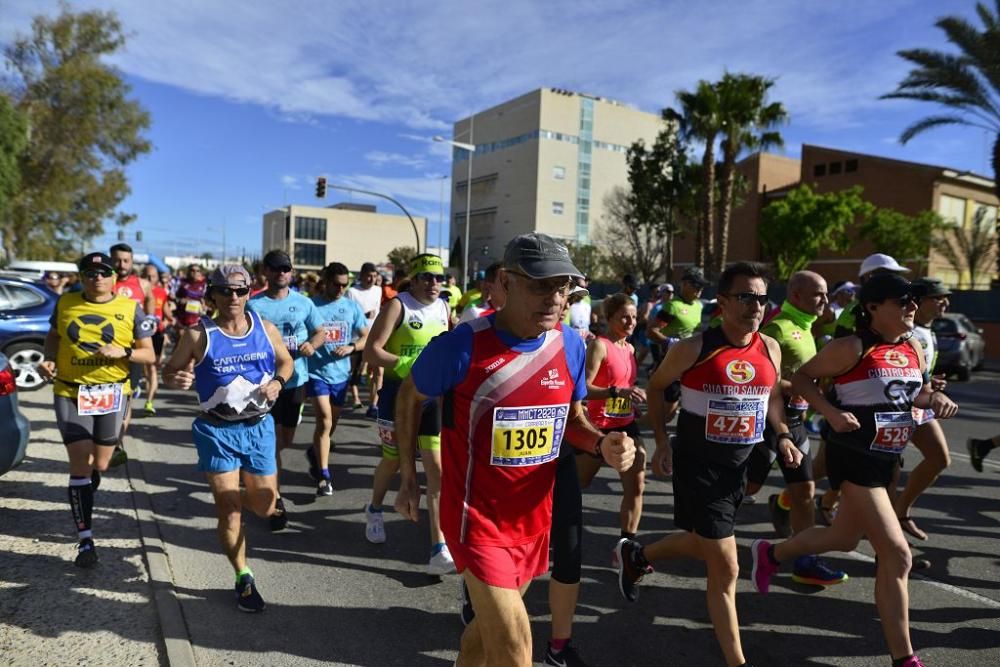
<point x="812" y="570"/>
<point x="372" y="412"/>
<point x="248" y="599"/>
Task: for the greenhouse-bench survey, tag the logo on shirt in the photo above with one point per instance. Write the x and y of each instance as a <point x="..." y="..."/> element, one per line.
<point x="797" y="335"/>
<point x="740" y="371"/>
<point x="896" y="358"/>
<point x="552" y="380"/>
<point x="416" y="324"/>
<point x="495" y="365"/>
<point x="125" y="291"/>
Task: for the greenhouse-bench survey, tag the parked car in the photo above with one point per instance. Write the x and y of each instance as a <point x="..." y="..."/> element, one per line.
<point x="961" y="346"/>
<point x="14" y="427"/>
<point x="25" y="309"/>
<point x="31" y="270"/>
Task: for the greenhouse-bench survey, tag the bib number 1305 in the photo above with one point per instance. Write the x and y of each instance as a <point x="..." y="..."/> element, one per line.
<point x="527" y="436"/>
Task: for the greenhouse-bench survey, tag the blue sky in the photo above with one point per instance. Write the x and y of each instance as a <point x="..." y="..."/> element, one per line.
<point x="251" y="100"/>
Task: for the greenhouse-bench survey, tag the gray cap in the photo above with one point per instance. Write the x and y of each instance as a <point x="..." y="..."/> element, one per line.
<point x="539" y="256"/>
<point x="695" y="275"/>
<point x="230" y="274"/>
<point x="931" y="287"/>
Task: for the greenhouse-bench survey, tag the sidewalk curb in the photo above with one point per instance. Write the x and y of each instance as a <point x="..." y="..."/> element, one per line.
<point x="176" y="637"/>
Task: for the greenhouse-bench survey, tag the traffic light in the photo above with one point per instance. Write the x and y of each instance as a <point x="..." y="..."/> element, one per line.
<point x="320" y="187"/>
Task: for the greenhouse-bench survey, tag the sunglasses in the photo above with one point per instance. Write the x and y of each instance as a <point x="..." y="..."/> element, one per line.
<point x="427" y="276"/>
<point x="334" y="285"/>
<point x="280" y="269"/>
<point x="230" y="291"/>
<point x="903" y="301"/>
<point x="97" y="273"/>
<point x="747" y="298"/>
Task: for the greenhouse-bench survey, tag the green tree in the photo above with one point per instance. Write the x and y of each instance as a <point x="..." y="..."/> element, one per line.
<point x="83" y="132"/>
<point x="589" y="259"/>
<point x="628" y="246"/>
<point x="969" y="250"/>
<point x="400" y="256"/>
<point x="966" y="84"/>
<point x="13" y="138"/>
<point x="747" y="120"/>
<point x="795" y="228"/>
<point x="903" y="236"/>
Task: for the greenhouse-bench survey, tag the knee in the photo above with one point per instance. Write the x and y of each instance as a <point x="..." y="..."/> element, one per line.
<point x="230" y="517"/>
<point x="895" y="560"/>
<point x="724" y="569"/>
<point x="264" y="502"/>
<point x="801" y="492"/>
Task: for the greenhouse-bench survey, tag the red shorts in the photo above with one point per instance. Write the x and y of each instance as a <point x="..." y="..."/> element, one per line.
<point x="503" y="567"/>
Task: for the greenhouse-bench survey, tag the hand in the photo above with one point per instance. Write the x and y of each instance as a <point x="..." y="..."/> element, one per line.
<point x="271" y="390"/>
<point x="843" y="422"/>
<point x="47" y="369"/>
<point x="408" y="498"/>
<point x="343" y="351"/>
<point x="618" y="451"/>
<point x="110" y="351"/>
<point x="306" y="349"/>
<point x="789" y="453"/>
<point x="939" y="382"/>
<point x="182" y="379"/>
<point x="943" y="407"/>
<point x="663" y="459"/>
<point x="637" y="394"/>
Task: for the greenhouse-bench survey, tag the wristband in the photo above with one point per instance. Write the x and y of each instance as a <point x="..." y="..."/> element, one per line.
<point x="280" y="380"/>
<point x="613" y="392"/>
<point x="128" y="353"/>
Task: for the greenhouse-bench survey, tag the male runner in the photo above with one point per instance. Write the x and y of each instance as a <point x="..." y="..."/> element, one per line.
<point x="94" y="335"/>
<point x="238" y="364"/>
<point x="162" y="313"/>
<point x="368" y="295"/>
<point x="330" y="368"/>
<point x="729" y="386"/>
<point x="512" y="385"/>
<point x="301" y="329"/>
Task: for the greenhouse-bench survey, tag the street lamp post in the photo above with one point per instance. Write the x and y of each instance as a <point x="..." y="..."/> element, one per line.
<point x="471" y="148"/>
<point x="402" y="208"/>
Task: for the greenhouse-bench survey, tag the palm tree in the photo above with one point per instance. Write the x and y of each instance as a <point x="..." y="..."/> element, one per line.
<point x="967" y="84"/>
<point x="747" y="119"/>
<point x="969" y="251"/>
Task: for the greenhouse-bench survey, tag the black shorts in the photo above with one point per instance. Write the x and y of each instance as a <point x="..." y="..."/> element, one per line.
<point x="430" y="418"/>
<point x="103" y="430"/>
<point x="844" y="464"/>
<point x="288" y="408"/>
<point x="804" y="473"/>
<point x="158" y="338"/>
<point x="672" y="394"/>
<point x="759" y="464"/>
<point x="706" y="495"/>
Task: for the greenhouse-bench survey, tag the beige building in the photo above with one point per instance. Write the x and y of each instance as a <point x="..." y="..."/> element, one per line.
<point x="353" y="234"/>
<point x="543" y="162"/>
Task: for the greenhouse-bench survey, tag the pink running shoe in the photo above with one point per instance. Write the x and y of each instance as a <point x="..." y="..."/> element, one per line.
<point x="763" y="568"/>
<point x="913" y="661"/>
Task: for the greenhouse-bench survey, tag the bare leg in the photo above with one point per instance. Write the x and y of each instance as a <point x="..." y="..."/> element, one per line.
<point x="225" y="488"/>
<point x="802" y="513"/>
<point x="562" y="604"/>
<point x="633" y="485"/>
<point x="384" y="472"/>
<point x="723" y="571"/>
<point x="326" y="421"/>
<point x="929" y="439"/>
<point x="500" y="634"/>
<point x="431" y="459"/>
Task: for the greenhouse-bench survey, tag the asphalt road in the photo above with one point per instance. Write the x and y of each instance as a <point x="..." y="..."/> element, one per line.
<point x="334" y="598"/>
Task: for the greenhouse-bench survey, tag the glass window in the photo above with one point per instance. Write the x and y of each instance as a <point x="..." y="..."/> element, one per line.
<point x="21" y="297"/>
<point x="819" y="170"/>
<point x="559" y="173"/>
<point x="310" y="254"/>
<point x="836" y="168"/>
<point x="850" y="165"/>
<point x="557" y="208"/>
<point x="952" y="210"/>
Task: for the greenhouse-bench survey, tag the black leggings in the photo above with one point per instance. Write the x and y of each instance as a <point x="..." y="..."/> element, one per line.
<point x="567" y="520"/>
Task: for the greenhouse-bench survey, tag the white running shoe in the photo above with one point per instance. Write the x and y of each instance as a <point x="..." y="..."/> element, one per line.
<point x="375" y="526"/>
<point x="441" y="563"/>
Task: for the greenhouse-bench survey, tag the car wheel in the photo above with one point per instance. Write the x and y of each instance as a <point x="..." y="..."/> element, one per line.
<point x="24" y="360"/>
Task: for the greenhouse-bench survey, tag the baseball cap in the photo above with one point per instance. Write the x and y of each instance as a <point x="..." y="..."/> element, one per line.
<point x="230" y="274"/>
<point x="96" y="260"/>
<point x="277" y="259"/>
<point x="878" y="261"/>
<point x="579" y="290"/>
<point x="665" y="287"/>
<point x="846" y="286"/>
<point x="922" y="287"/>
<point x="539" y="256"/>
<point x="695" y="275"/>
<point x="884" y="286"/>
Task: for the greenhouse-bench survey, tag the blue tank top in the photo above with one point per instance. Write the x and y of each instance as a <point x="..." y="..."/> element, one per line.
<point x="230" y="376"/>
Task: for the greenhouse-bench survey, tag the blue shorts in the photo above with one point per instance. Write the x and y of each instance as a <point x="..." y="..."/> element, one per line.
<point x="337" y="392"/>
<point x="223" y="447"/>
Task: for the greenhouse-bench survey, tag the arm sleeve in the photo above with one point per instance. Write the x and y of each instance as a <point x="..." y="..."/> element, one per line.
<point x="444" y="363"/>
<point x="576" y="361"/>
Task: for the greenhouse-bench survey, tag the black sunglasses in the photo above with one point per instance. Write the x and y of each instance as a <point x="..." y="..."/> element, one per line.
<point x="903" y="301"/>
<point x="94" y="273"/>
<point x="427" y="276"/>
<point x="747" y="298"/>
<point x="230" y="291"/>
<point x="280" y="269"/>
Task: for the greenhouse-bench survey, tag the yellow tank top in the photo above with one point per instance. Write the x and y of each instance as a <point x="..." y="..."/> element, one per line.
<point x="84" y="328"/>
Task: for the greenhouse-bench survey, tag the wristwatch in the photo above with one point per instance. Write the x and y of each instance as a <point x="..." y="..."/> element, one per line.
<point x="787" y="436"/>
<point x="613" y="392"/>
<point x="128" y="353"/>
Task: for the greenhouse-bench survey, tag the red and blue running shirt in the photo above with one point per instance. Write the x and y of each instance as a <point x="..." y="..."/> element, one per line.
<point x="505" y="407"/>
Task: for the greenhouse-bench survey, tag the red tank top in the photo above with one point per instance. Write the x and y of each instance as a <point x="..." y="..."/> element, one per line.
<point x="131" y="288"/>
<point x="618" y="369"/>
<point x="502" y="430"/>
<point x="160" y="296"/>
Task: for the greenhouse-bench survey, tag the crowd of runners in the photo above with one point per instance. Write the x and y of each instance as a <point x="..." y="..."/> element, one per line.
<point x="513" y="396"/>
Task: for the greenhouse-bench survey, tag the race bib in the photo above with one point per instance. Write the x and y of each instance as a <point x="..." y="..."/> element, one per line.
<point x="527" y="436"/>
<point x="99" y="399"/>
<point x="337" y="333"/>
<point x="618" y="407"/>
<point x="193" y="307"/>
<point x="386" y="432"/>
<point x="737" y="422"/>
<point x="892" y="431"/>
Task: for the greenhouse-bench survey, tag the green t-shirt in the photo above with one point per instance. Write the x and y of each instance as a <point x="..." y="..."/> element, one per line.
<point x="682" y="319"/>
<point x="846" y="321"/>
<point x="792" y="328"/>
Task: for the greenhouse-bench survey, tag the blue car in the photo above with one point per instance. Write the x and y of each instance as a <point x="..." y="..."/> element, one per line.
<point x="25" y="309"/>
<point x="14" y="427"/>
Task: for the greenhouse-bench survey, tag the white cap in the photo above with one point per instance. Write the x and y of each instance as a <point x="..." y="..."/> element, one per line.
<point x="847" y="286"/>
<point x="880" y="261"/>
<point x="578" y="289"/>
<point x="665" y="287"/>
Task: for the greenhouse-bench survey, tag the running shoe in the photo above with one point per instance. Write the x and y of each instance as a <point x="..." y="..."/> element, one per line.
<point x="372" y="412"/>
<point x="374" y="525"/>
<point x="912" y="661"/>
<point x="440" y="563"/>
<point x="467" y="613"/>
<point x="148" y="409"/>
<point x="814" y="571"/>
<point x="95" y="479"/>
<point x="749" y="500"/>
<point x="568" y="657"/>
<point x="630" y="573"/>
<point x="324" y="488"/>
<point x="279" y="519"/>
<point x="119" y="456"/>
<point x="357" y="405"/>
<point x="780" y="517"/>
<point x="248" y="599"/>
<point x="975" y="457"/>
<point x="86" y="554"/>
<point x="763" y="568"/>
<point x="314" y="471"/>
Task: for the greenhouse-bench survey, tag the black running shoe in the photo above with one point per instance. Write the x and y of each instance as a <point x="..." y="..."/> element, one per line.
<point x="95" y="479"/>
<point x="629" y="572"/>
<point x="975" y="457"/>
<point x="278" y="520"/>
<point x="780" y="517"/>
<point x="568" y="657"/>
<point x="248" y="599"/>
<point x="314" y="471"/>
<point x="86" y="554"/>
<point x="324" y="488"/>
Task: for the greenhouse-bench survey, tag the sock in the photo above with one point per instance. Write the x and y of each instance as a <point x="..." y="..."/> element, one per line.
<point x="245" y="570"/>
<point x="770" y="556"/>
<point x="374" y="510"/>
<point x="783" y="502"/>
<point x="325" y="472"/>
<point x="899" y="662"/>
<point x="81" y="503"/>
<point x="437" y="548"/>
<point x="627" y="535"/>
<point x="557" y="645"/>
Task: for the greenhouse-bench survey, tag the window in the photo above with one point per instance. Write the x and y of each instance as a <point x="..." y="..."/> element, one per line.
<point x="310" y="254"/>
<point x="311" y="229"/>
<point x="19" y="297"/>
<point x="836" y="168"/>
<point x="557" y="208"/>
<point x="952" y="210"/>
<point x="819" y="170"/>
<point x="850" y="165"/>
<point x="559" y="173"/>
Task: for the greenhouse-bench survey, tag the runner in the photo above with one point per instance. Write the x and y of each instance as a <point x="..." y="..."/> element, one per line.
<point x="612" y="396"/>
<point x="191" y="297"/>
<point x="928" y="437"/>
<point x="162" y="313"/>
<point x="330" y="368"/>
<point x="664" y="294"/>
<point x="238" y="364"/>
<point x="979" y="449"/>
<point x="301" y="329"/>
<point x="878" y="376"/>
<point x="579" y="314"/>
<point x="401" y="331"/>
<point x="94" y="335"/>
<point x="512" y="385"/>
<point x="730" y="381"/>
<point x="485" y="303"/>
<point x="368" y="295"/>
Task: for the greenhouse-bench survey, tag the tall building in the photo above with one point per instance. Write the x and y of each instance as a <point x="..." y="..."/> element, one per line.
<point x="543" y="162"/>
<point x="352" y="234"/>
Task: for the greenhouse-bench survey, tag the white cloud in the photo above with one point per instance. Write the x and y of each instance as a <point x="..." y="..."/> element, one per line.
<point x="381" y="158"/>
<point x="291" y="182"/>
